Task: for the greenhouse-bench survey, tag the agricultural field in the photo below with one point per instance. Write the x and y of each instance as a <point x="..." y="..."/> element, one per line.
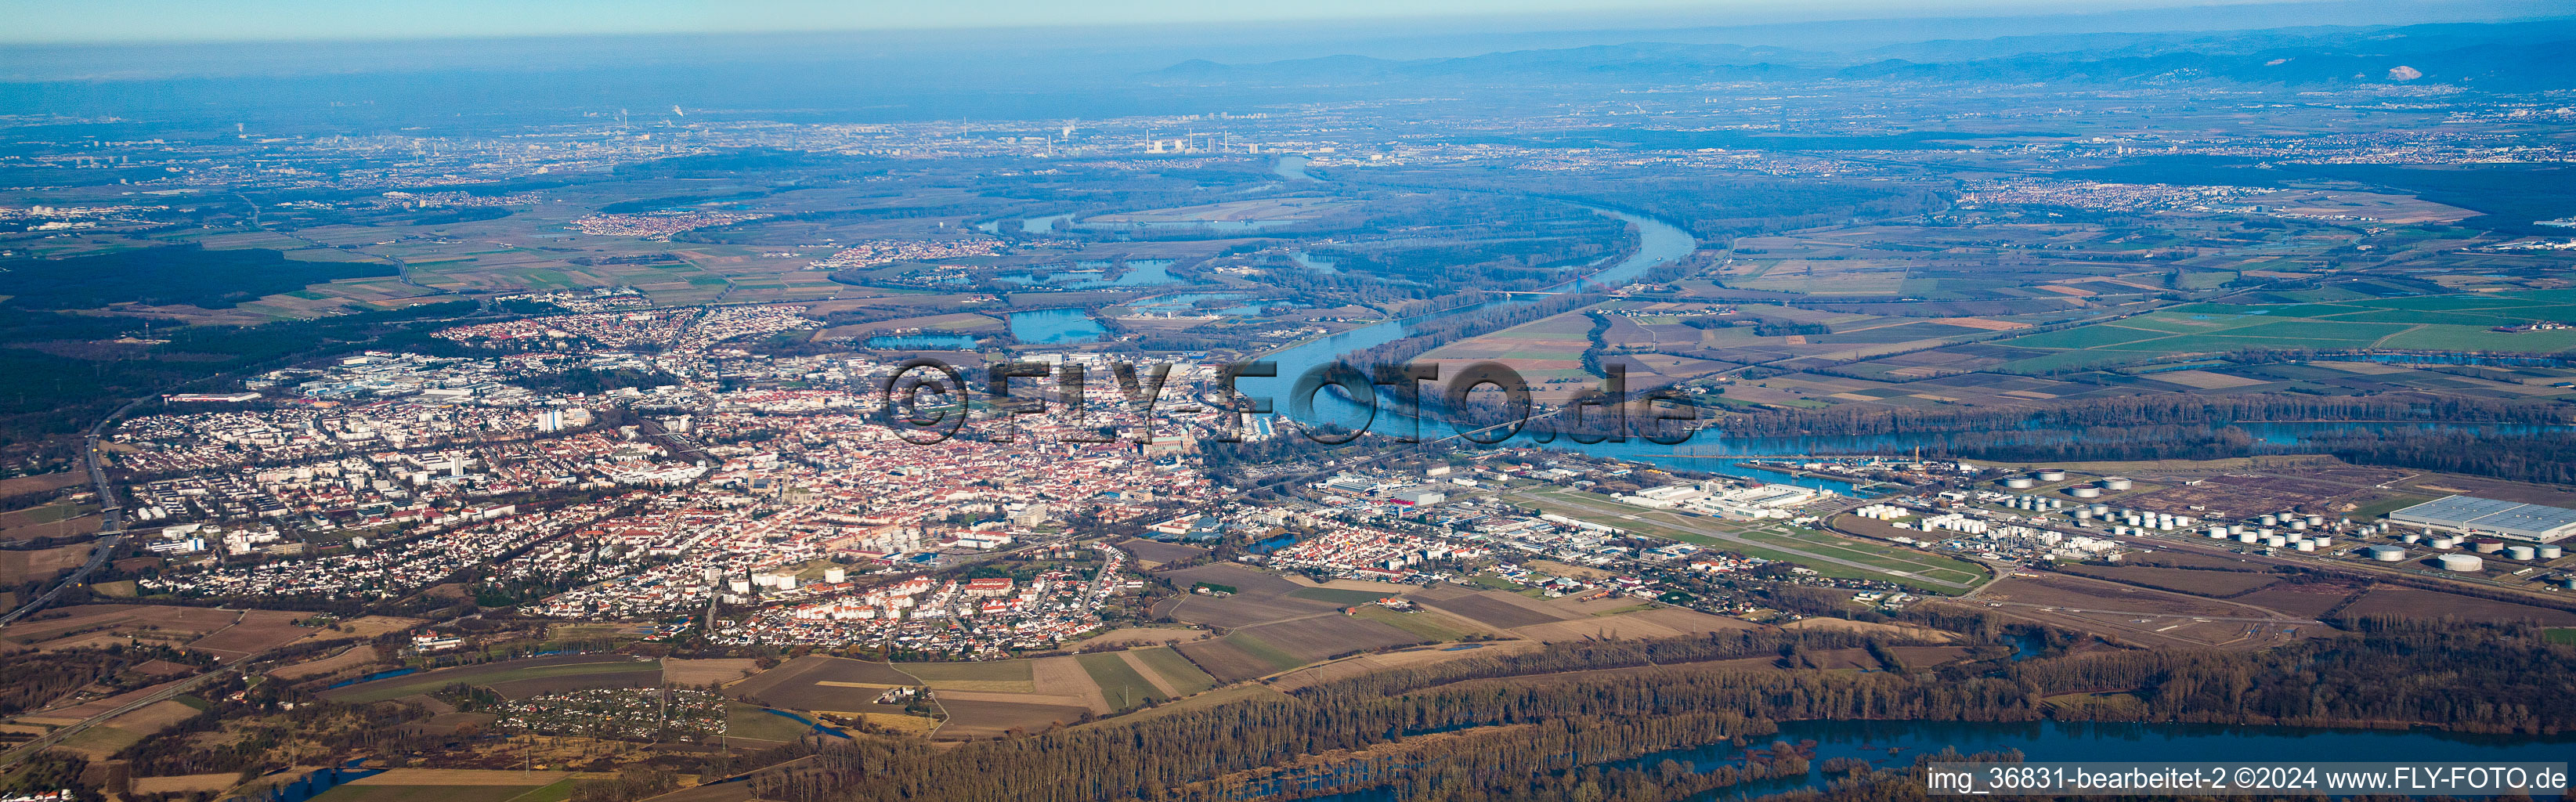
<point x="1122" y="686"/>
<point x="2438" y="322"/>
<point x="1548" y="353"/>
<point x="1239" y="656"/>
<point x="41" y="565"/>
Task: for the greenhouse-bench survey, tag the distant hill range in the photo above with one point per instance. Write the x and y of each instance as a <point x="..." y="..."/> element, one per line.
<point x="2516" y="56"/>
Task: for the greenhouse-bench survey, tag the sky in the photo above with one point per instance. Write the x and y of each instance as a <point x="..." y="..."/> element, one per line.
<point x="137" y="21"/>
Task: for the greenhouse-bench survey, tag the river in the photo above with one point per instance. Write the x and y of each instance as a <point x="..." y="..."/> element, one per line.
<point x="1658" y="243"/>
<point x="1895" y="745"/>
<point x="1710" y="451"/>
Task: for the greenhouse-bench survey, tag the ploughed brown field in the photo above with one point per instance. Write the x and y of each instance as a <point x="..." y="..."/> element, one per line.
<point x="821" y="683"/>
<point x="2198" y="583"/>
<point x="1494" y="612"/>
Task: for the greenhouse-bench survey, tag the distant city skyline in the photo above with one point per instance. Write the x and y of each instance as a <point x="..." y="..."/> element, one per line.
<point x="139" y="21"/>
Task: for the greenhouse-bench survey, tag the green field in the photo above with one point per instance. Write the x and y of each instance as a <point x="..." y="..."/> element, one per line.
<point x="432" y="793"/>
<point x="1419" y="624"/>
<point x="1278" y="659"/>
<point x="747" y="721"/>
<point x="1885" y="561"/>
<point x="2436" y="323"/>
<point x="1119" y="682"/>
<point x="398" y="687"/>
<point x="558" y="792"/>
<point x="1177" y="671"/>
<point x="2564" y="635"/>
<point x="997" y="675"/>
<point x="1890" y="558"/>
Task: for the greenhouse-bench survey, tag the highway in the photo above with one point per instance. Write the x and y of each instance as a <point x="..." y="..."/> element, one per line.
<point x="111" y="518"/>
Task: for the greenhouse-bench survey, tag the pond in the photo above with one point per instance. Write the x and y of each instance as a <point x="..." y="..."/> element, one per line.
<point x="1056" y="326"/>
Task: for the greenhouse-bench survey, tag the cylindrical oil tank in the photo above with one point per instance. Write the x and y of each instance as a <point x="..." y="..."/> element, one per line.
<point x="2463" y="563"/>
<point x="2412" y="538"/>
<point x="2247" y="537"/>
<point x="2270" y="520"/>
<point x="2101" y="509"/>
<point x="2488" y="545"/>
<point x="2018" y="483"/>
<point x="2276" y="541"/>
<point x="2323" y="541"/>
<point x="2216" y="532"/>
<point x="2316" y="520"/>
<point x="2521" y="552"/>
<point x="2305" y="544"/>
<point x="2050" y="475"/>
<point x="2387" y="554"/>
<point x="2549" y="552"/>
<point x="2298" y="526"/>
<point x="2116" y="483"/>
<point x="2087" y="492"/>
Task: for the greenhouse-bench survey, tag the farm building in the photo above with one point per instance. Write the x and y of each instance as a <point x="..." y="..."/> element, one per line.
<point x="2491" y="516"/>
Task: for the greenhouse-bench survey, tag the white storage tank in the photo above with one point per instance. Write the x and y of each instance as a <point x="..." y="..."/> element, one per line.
<point x="2305" y="544"/>
<point x="2386" y="554"/>
<point x="2018" y="483"/>
<point x="2276" y="541"/>
<point x="2247" y="537"/>
<point x="2462" y="563"/>
<point x="2217" y="532"/>
<point x="2087" y="492"/>
<point x="2521" y="552"/>
<point x="2050" y="475"/>
<point x="2116" y="483"/>
<point x="2549" y="552"/>
<point x="2323" y="542"/>
<point x="2410" y="538"/>
<point x="2101" y="509"/>
<point x="2316" y="520"/>
<point x="2488" y="545"/>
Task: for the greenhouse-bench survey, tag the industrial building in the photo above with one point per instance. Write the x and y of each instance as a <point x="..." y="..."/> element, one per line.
<point x="2491" y="516"/>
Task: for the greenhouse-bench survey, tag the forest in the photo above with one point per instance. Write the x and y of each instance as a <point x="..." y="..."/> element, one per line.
<point x="1541" y="725"/>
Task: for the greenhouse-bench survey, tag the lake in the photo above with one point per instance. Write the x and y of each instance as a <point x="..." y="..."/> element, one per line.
<point x="1140" y="273"/>
<point x="1056" y="326"/>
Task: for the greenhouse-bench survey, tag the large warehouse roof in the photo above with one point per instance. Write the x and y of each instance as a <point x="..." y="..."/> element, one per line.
<point x="2508" y="518"/>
